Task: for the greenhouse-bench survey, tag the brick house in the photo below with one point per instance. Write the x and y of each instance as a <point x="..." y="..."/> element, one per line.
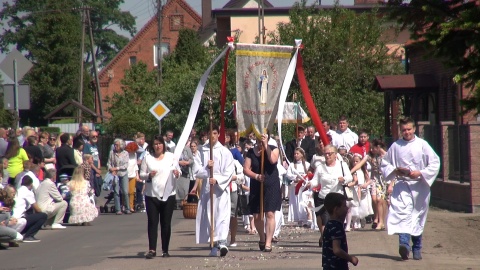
<point x="429" y="95"/>
<point x="176" y="14"/>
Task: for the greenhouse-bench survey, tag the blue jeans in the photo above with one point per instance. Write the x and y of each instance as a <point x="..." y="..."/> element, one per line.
<point x="404" y="239"/>
<point x="123" y="186"/>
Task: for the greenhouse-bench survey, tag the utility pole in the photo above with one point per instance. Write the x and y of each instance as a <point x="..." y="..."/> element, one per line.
<point x="159" y="41"/>
<point x="159" y="51"/>
<point x="261" y="22"/>
<point x="94" y="60"/>
<point x="82" y="52"/>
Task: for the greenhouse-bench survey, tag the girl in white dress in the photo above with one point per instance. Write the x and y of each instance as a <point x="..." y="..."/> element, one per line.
<point x="297" y="170"/>
<point x="363" y="199"/>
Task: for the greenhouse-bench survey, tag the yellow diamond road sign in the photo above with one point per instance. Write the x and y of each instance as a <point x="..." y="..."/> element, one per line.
<point x="159" y="110"/>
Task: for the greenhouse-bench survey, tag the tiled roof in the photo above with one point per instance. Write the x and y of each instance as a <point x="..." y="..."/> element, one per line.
<point x="242" y="3"/>
<point x="151" y="23"/>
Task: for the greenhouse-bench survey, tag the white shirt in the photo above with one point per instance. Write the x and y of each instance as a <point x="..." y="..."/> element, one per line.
<point x="18" y="180"/>
<point x="327" y="177"/>
<point x="23" y="201"/>
<point x="347" y="138"/>
<point x="132" y="167"/>
<point x="163" y="183"/>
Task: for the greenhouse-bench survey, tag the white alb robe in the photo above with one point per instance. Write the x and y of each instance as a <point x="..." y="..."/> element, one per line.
<point x="296" y="212"/>
<point x="410" y="197"/>
<point x="223" y="170"/>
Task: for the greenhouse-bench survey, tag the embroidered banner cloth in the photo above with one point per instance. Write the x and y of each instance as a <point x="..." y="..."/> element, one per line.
<point x="260" y="74"/>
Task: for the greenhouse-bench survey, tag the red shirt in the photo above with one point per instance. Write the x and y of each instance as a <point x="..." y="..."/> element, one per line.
<point x="361" y="149"/>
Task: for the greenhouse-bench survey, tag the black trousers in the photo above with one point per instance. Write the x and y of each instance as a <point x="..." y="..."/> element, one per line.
<point x="34" y="224"/>
<point x="159" y="211"/>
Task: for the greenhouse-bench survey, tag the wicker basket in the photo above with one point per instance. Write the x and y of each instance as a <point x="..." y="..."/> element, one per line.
<point x="189" y="210"/>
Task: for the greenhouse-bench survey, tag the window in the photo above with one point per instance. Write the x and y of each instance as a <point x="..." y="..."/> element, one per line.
<point x="165" y="48"/>
<point x="176" y="22"/>
<point x="132" y="60"/>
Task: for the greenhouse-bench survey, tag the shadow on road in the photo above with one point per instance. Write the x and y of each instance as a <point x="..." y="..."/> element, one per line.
<point x="380" y="256"/>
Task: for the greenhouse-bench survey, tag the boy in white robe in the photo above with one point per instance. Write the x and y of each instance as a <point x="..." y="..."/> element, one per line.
<point x="223" y="170"/>
<point x="414" y="164"/>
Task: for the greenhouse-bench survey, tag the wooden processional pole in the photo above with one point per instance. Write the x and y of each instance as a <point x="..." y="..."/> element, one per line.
<point x="212" y="219"/>
<point x="262" y="171"/>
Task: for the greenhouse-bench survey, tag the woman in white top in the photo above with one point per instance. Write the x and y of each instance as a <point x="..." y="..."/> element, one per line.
<point x="160" y="171"/>
<point x="132" y="173"/>
<point x="330" y="177"/>
<point x="296" y="170"/>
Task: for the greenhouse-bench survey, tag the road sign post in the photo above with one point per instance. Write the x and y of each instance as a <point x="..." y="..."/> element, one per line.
<point x="159" y="110"/>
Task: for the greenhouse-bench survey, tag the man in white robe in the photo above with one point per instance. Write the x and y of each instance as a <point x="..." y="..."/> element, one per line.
<point x="223" y="170"/>
<point x="414" y="164"/>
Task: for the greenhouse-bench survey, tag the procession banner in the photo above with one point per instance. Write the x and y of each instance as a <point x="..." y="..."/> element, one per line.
<point x="260" y="74"/>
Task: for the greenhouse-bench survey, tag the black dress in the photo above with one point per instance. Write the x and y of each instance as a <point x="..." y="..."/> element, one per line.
<point x="272" y="195"/>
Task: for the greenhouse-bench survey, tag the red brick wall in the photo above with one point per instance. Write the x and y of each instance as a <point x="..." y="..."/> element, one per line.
<point x="141" y="46"/>
<point x="449" y="94"/>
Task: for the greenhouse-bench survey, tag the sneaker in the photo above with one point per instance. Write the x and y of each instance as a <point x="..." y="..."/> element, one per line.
<point x="223" y="250"/>
<point x="234" y="244"/>
<point x="417" y="255"/>
<point x="31" y="239"/>
<point x="57" y="226"/>
<point x="404" y="252"/>
<point x="19" y="237"/>
<point x="127" y="212"/>
<point x="213" y="252"/>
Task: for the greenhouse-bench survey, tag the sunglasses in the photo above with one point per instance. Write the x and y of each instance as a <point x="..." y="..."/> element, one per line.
<point x="93" y="136"/>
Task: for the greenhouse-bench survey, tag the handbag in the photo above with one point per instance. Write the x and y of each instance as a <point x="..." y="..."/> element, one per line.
<point x="348" y="191"/>
<point x="242" y="203"/>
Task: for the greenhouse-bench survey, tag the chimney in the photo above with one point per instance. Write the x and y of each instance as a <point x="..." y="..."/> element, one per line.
<point x="206" y="12"/>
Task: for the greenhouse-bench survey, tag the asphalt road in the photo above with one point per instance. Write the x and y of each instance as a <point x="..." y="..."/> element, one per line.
<point x="120" y="242"/>
<point x="76" y="245"/>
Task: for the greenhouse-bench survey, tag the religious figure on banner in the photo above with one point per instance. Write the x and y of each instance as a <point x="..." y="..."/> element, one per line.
<point x="263" y="86"/>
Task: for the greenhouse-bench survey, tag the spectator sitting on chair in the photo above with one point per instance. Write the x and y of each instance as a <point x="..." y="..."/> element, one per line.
<point x="50" y="201"/>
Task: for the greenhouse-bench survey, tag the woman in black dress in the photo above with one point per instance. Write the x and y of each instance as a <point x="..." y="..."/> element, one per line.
<point x="272" y="197"/>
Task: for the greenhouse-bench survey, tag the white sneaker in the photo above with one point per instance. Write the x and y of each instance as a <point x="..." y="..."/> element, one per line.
<point x="213" y="252"/>
<point x="19" y="238"/>
<point x="223" y="250"/>
<point x="233" y="244"/>
<point x="57" y="226"/>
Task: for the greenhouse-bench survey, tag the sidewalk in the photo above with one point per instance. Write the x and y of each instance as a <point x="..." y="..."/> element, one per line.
<point x="447" y="245"/>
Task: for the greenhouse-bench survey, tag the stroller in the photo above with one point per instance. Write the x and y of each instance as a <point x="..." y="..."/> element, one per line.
<point x="108" y="185"/>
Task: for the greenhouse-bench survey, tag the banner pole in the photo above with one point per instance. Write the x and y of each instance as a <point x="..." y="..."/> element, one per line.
<point x="212" y="218"/>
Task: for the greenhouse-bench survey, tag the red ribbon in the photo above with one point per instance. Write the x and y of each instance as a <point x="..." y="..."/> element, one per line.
<point x="223" y="95"/>
<point x="317" y="121"/>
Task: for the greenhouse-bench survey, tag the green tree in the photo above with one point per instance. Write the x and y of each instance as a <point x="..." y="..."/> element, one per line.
<point x="181" y="75"/>
<point x="343" y="52"/>
<point x="449" y="30"/>
<point x="130" y="108"/>
<point x="49" y="32"/>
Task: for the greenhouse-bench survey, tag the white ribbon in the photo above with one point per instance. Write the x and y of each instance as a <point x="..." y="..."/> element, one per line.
<point x="284" y="92"/>
<point x="195" y="104"/>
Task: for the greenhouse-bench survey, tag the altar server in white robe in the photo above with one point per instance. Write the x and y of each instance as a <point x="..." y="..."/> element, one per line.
<point x="223" y="170"/>
<point x="414" y="165"/>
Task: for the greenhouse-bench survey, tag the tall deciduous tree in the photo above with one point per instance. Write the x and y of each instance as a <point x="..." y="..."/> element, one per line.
<point x="49" y="31"/>
<point x="450" y="30"/>
<point x="181" y="73"/>
<point x="343" y="52"/>
<point x="130" y="107"/>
